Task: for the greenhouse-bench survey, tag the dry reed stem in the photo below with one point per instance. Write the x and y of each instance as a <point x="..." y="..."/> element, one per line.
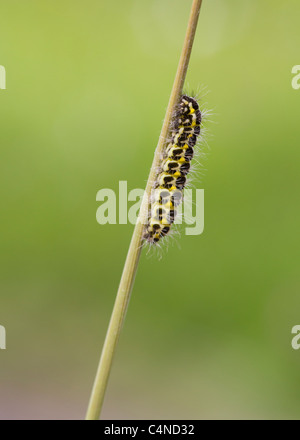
<point x="134" y="252"/>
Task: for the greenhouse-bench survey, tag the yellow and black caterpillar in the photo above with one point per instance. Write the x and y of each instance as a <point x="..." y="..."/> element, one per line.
<point x="171" y="177"/>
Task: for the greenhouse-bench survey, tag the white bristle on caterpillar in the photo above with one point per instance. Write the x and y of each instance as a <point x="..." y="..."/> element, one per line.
<point x="171" y="179"/>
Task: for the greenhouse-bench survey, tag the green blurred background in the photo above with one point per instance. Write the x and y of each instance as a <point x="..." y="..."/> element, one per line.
<point x="208" y="330"/>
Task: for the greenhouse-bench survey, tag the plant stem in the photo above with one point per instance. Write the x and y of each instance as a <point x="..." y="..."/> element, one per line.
<point x="134" y="252"/>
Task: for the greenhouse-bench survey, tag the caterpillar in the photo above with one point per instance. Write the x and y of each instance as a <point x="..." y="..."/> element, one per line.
<point x="167" y="193"/>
